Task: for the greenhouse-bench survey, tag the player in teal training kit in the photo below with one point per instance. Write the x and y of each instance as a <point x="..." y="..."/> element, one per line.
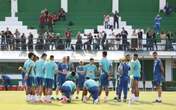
<point x="39" y="71"/>
<point x="93" y="88"/>
<point x="50" y="68"/>
<point x="29" y="77"/>
<point x="91" y="69"/>
<point x="136" y="67"/>
<point x="105" y="70"/>
<point x="68" y="88"/>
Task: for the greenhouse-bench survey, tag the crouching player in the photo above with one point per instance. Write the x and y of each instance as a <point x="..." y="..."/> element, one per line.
<point x="92" y="87"/>
<point x="68" y="88"/>
<point x="50" y="68"/>
<point x="124" y="78"/>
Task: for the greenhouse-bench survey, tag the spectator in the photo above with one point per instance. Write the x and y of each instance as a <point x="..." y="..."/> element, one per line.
<point x="62" y="14"/>
<point x="79" y="42"/>
<point x="106" y="21"/>
<point x="116" y="19"/>
<point x="23" y="42"/>
<point x="17" y="39"/>
<point x="68" y="36"/>
<point x="140" y="39"/>
<point x="118" y="39"/>
<point x="149" y="41"/>
<point x="169" y="45"/>
<point x="155" y="38"/>
<point x="3" y="40"/>
<point x="124" y="35"/>
<point x="9" y="36"/>
<point x="87" y="44"/>
<point x="50" y="22"/>
<point x="163" y="40"/>
<point x="168" y="9"/>
<point x="30" y="41"/>
<point x="42" y="21"/>
<point x="103" y="39"/>
<point x="157" y="23"/>
<point x="96" y="42"/>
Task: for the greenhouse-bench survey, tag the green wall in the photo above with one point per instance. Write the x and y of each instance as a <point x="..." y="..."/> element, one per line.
<point x="4" y="9"/>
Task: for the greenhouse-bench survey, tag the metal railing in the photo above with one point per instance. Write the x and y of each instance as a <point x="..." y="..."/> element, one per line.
<point x="56" y="44"/>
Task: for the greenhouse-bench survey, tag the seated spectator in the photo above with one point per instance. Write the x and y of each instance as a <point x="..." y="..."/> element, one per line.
<point x="62" y="14"/>
<point x="168" y="9"/>
<point x="68" y="37"/>
<point x="79" y="42"/>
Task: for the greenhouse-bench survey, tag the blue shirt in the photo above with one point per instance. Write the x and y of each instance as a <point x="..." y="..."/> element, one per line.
<point x="50" y="68"/>
<point x="64" y="68"/>
<point x="126" y="69"/>
<point x="39" y="68"/>
<point x="90" y="83"/>
<point x="157" y="20"/>
<point x="70" y="84"/>
<point x="90" y="71"/>
<point x="157" y="69"/>
<point x="106" y="65"/>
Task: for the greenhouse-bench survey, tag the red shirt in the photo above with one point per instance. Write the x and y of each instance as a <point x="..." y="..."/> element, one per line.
<point x="68" y="35"/>
<point x="50" y="19"/>
<point x="42" y="19"/>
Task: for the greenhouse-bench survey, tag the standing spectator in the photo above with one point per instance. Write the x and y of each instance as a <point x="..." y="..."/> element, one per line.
<point x="106" y="21"/>
<point x="87" y="44"/>
<point x="118" y="39"/>
<point x="103" y="39"/>
<point x="68" y="36"/>
<point x="155" y="39"/>
<point x="169" y="45"/>
<point x="163" y="40"/>
<point x="157" y="22"/>
<point x="124" y="35"/>
<point x="140" y="38"/>
<point x="3" y="40"/>
<point x="50" y="22"/>
<point x="96" y="42"/>
<point x="42" y="21"/>
<point x="30" y="41"/>
<point x="8" y="35"/>
<point x="17" y="39"/>
<point x="116" y="19"/>
<point x="149" y="41"/>
<point x="23" y="42"/>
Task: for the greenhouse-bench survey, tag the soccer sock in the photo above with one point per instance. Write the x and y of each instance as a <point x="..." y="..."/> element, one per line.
<point x="159" y="98"/>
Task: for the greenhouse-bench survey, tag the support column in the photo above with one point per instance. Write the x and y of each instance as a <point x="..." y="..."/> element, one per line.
<point x="168" y="70"/>
<point x="14" y="7"/>
<point x="162" y="4"/>
<point x="115" y="5"/>
<point x="64" y="5"/>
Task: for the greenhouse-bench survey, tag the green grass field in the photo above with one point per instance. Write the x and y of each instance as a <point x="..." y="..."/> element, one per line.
<point x="15" y="101"/>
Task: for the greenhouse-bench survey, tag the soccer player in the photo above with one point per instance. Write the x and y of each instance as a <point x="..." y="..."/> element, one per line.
<point x="91" y="86"/>
<point x="50" y="68"/>
<point x="29" y="77"/>
<point x="91" y="69"/>
<point x="158" y="75"/>
<point x="68" y="88"/>
<point x="61" y="76"/>
<point x="39" y="71"/>
<point x="136" y="77"/>
<point x="81" y="77"/>
<point x="105" y="74"/>
<point x="124" y="78"/>
<point x="72" y="76"/>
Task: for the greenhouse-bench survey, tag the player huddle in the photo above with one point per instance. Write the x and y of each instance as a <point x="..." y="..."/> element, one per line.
<point x="42" y="74"/>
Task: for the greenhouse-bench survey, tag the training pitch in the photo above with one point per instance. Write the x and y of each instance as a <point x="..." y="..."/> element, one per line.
<point x="15" y="100"/>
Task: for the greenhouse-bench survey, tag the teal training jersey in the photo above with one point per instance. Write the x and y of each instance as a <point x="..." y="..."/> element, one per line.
<point x="90" y="83"/>
<point x="29" y="67"/>
<point x="106" y="65"/>
<point x="70" y="84"/>
<point x="71" y="77"/>
<point x="136" y="68"/>
<point x="50" y="68"/>
<point x="39" y="68"/>
<point x="90" y="71"/>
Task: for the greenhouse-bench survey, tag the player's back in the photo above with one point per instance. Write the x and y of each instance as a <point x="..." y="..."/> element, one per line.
<point x="105" y="64"/>
<point x="70" y="84"/>
<point x="39" y="66"/>
<point x="50" y="69"/>
<point x="90" y="83"/>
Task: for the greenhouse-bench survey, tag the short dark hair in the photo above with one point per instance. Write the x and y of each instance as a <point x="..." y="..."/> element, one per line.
<point x="105" y="53"/>
<point x="91" y="59"/>
<point x="136" y="55"/>
<point x="51" y="57"/>
<point x="44" y="55"/>
<point x="155" y="53"/>
<point x="87" y="77"/>
<point x="30" y="54"/>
